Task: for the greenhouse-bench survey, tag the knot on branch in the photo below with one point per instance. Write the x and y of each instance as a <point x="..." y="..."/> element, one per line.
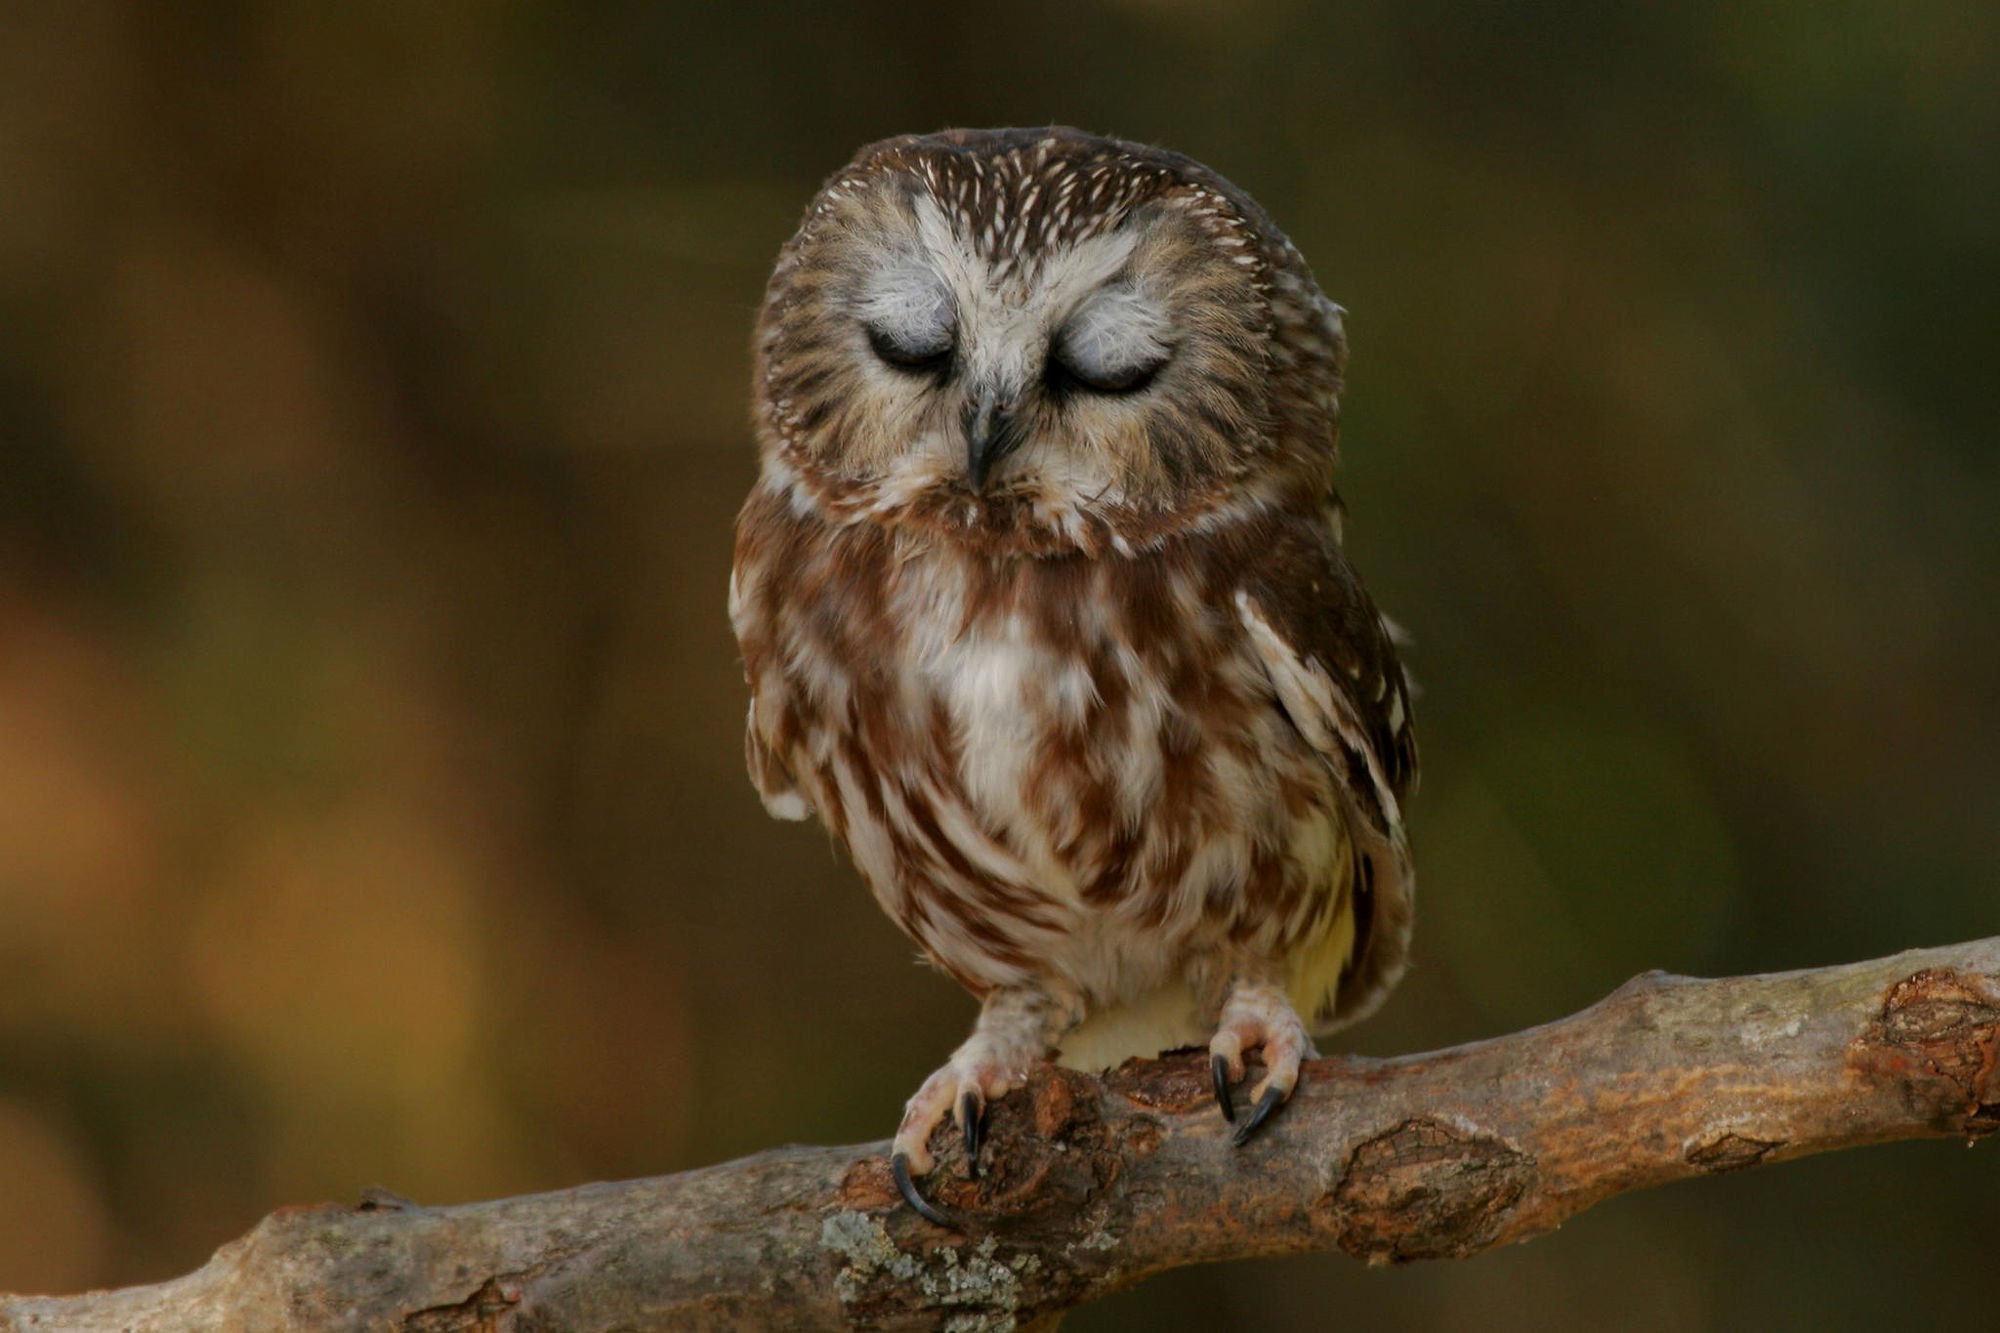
<point x="485" y="1308"/>
<point x="1427" y="1190"/>
<point x="1730" y="1152"/>
<point x="1052" y="1150"/>
<point x="1938" y="1036"/>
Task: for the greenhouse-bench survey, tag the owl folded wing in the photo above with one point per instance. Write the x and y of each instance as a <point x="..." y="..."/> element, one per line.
<point x="1332" y="664"/>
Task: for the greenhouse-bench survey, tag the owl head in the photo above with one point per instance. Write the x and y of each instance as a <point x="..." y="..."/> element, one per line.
<point x="1043" y="340"/>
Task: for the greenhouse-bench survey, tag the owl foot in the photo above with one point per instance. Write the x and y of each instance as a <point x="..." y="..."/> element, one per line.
<point x="1257" y="1015"/>
<point x="1015" y="1030"/>
<point x="979" y="1071"/>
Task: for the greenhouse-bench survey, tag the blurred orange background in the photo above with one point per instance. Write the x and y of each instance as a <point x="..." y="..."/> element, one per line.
<point x="373" y="406"/>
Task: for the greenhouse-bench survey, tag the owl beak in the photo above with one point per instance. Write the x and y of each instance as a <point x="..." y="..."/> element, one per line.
<point x="991" y="433"/>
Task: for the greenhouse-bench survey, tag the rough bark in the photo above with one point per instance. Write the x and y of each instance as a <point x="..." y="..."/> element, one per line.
<point x="1092" y="1184"/>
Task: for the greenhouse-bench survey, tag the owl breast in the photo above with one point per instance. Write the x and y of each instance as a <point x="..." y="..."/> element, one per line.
<point x="1046" y="768"/>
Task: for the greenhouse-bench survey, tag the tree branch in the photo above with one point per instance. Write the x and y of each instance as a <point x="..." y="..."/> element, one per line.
<point x="1093" y="1184"/>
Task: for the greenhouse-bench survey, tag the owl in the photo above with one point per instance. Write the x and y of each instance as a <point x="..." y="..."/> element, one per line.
<point x="1045" y="616"/>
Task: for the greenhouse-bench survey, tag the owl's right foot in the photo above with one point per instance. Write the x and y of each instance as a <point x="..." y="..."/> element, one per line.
<point x="978" y="1071"/>
<point x="1016" y="1029"/>
<point x="983" y="1068"/>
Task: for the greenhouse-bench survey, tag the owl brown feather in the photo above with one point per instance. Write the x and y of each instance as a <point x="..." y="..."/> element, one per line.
<point x="1044" y="612"/>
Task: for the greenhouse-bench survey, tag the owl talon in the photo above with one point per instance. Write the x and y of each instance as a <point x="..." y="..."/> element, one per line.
<point x="1218" y="1072"/>
<point x="1272" y="1099"/>
<point x="899" y="1168"/>
<point x="972" y="1120"/>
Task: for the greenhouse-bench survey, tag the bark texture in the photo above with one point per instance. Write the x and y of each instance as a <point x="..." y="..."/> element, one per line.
<point x="1091" y="1184"/>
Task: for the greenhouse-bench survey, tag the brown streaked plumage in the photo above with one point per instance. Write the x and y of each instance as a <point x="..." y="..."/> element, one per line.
<point x="1044" y="610"/>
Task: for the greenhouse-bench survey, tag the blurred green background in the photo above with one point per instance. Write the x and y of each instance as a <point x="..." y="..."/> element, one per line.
<point x="372" y="398"/>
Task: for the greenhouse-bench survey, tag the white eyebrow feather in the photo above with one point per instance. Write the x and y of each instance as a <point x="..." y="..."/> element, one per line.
<point x="1074" y="273"/>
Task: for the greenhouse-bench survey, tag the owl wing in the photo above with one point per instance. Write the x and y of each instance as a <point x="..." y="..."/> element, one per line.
<point x="1331" y="660"/>
<point x="751" y="615"/>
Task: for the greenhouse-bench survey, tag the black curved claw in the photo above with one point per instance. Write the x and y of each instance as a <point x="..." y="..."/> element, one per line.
<point x="972" y="1120"/>
<point x="899" y="1167"/>
<point x="1272" y="1099"/>
<point x="1218" y="1072"/>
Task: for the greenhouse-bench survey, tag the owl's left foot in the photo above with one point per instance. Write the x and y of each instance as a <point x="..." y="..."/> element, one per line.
<point x="1257" y="1014"/>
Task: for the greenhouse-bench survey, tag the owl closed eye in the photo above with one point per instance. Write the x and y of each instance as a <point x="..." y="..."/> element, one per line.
<point x="1115" y="343"/>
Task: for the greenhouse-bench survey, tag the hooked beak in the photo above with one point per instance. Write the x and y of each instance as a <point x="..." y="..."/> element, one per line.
<point x="991" y="433"/>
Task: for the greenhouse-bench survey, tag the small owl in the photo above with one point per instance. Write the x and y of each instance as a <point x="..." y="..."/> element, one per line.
<point x="1044" y="611"/>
